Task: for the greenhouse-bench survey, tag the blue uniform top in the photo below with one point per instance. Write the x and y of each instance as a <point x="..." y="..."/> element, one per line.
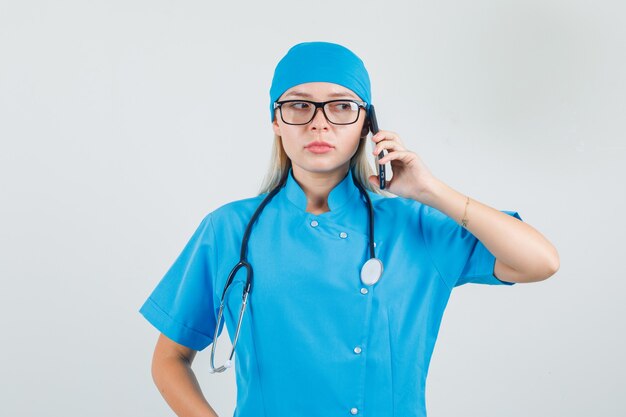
<point x="314" y="341"/>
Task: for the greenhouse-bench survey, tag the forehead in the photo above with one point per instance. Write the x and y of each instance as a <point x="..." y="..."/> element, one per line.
<point x="320" y="90"/>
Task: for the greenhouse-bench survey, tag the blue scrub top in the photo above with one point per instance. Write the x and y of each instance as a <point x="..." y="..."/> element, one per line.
<point x="315" y="341"/>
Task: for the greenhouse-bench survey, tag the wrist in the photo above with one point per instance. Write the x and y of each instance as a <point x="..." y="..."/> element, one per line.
<point x="434" y="192"/>
<point x="448" y="201"/>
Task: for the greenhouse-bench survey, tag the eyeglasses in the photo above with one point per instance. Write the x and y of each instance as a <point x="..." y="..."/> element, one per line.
<point x="337" y="112"/>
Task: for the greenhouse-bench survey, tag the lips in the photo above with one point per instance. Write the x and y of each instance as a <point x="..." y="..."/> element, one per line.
<point x="319" y="147"/>
<point x="319" y="143"/>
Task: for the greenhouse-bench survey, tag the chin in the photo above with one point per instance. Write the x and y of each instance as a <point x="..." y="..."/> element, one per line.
<point x="321" y="166"/>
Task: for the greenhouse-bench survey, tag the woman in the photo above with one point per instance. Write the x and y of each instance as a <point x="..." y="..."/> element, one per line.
<point x="321" y="334"/>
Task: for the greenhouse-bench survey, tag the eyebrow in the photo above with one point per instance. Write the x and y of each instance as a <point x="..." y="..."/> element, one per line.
<point x="302" y="94"/>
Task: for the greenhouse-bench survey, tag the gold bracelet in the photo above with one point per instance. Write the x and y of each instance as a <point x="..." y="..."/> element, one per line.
<point x="465" y="219"/>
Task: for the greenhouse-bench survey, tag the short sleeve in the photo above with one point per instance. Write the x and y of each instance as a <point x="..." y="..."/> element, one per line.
<point x="457" y="254"/>
<point x="182" y="305"/>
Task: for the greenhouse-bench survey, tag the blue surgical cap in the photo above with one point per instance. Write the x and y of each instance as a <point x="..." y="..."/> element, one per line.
<point x="320" y="62"/>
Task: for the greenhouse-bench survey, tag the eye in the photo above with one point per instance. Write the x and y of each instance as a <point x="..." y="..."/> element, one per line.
<point x="299" y="105"/>
<point x="342" y="106"/>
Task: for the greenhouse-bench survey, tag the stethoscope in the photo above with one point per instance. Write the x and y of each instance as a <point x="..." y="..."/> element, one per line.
<point x="371" y="270"/>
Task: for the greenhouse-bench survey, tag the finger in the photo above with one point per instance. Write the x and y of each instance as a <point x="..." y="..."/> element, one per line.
<point x="393" y="138"/>
<point x="392" y="156"/>
<point x="384" y="134"/>
<point x="373" y="179"/>
<point x="389" y="146"/>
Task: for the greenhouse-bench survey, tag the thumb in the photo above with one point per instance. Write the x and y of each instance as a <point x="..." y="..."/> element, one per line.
<point x="373" y="179"/>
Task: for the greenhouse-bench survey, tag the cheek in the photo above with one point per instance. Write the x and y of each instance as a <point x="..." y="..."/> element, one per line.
<point x="354" y="136"/>
<point x="290" y="137"/>
<point x="291" y="143"/>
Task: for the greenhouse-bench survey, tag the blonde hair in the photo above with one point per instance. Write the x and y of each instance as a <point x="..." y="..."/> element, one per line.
<point x="280" y="164"/>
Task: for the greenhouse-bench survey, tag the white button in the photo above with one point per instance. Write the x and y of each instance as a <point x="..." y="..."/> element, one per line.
<point x="364" y="291"/>
<point x="343" y="235"/>
<point x="354" y="410"/>
<point x="357" y="350"/>
<point x="374" y="244"/>
<point x="314" y="223"/>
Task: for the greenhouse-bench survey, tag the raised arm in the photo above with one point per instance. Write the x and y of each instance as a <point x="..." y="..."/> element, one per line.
<point x="522" y="253"/>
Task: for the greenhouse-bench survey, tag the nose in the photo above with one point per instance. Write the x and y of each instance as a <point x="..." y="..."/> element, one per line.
<point x="319" y="119"/>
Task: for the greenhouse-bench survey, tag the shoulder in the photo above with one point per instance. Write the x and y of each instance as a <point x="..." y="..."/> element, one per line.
<point x="235" y="212"/>
<point x="410" y="213"/>
<point x="398" y="207"/>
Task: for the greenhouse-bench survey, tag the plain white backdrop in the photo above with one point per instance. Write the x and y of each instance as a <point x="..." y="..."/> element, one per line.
<point x="122" y="123"/>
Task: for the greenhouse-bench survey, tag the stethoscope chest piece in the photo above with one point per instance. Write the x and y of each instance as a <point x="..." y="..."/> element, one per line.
<point x="371" y="271"/>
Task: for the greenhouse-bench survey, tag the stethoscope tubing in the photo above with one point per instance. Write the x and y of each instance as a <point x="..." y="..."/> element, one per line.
<point x="243" y="263"/>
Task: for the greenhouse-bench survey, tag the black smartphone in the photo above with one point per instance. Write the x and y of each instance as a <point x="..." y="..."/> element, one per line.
<point x="374" y="130"/>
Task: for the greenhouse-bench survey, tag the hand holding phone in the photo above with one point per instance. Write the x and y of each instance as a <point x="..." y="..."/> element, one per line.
<point x="381" y="167"/>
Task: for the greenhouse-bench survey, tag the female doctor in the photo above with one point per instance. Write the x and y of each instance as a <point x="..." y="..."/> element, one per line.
<point x="332" y="291"/>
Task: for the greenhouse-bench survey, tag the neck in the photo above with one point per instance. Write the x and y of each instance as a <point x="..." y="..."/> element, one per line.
<point x="317" y="186"/>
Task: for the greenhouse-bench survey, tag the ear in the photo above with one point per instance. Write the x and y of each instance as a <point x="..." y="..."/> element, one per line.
<point x="276" y="127"/>
<point x="366" y="127"/>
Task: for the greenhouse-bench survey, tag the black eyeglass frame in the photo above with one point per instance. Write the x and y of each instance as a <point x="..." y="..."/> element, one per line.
<point x="318" y="105"/>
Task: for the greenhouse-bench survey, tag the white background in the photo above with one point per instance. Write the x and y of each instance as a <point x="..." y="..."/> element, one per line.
<point x="119" y="132"/>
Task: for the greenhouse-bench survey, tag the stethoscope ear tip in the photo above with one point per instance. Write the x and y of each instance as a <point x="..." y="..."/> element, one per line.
<point x="228" y="364"/>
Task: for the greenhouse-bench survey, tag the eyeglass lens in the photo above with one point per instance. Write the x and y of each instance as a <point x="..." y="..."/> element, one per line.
<point x="338" y="112"/>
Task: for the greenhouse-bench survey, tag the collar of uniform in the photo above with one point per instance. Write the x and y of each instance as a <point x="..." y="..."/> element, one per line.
<point x="338" y="197"/>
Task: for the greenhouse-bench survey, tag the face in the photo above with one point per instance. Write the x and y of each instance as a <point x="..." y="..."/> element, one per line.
<point x="342" y="139"/>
